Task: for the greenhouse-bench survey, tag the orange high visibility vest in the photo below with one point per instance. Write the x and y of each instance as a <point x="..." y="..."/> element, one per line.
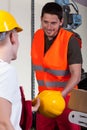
<point x="52" y="70"/>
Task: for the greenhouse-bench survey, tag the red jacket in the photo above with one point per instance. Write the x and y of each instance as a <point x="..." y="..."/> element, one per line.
<point x="26" y="116"/>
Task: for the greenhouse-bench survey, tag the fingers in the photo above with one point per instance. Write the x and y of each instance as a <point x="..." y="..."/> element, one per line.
<point x="36" y="106"/>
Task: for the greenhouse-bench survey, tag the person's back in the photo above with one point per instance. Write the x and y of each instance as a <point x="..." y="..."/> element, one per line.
<point x="10" y="98"/>
<point x="9" y="90"/>
<point x="10" y="95"/>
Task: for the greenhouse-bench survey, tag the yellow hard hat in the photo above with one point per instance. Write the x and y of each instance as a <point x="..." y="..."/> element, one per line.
<point x="52" y="103"/>
<point x="8" y="22"/>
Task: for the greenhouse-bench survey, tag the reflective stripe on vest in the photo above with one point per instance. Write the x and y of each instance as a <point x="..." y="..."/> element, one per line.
<point x="54" y="72"/>
<point x="51" y="83"/>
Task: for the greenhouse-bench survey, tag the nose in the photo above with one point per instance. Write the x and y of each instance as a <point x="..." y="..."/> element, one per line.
<point x="49" y="26"/>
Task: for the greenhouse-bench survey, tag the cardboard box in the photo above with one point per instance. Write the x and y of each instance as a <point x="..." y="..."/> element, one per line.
<point x="78" y="100"/>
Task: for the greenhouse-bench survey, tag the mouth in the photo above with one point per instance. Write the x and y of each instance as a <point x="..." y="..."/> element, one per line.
<point x="49" y="32"/>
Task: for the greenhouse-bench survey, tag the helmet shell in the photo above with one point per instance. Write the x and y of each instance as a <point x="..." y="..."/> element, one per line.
<point x="52" y="103"/>
<point x="8" y="22"/>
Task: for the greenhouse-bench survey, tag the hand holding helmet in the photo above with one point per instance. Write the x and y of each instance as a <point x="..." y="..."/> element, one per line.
<point x="52" y="103"/>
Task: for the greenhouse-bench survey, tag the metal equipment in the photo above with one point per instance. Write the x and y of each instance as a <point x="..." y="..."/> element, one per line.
<point x="71" y="20"/>
<point x="79" y="118"/>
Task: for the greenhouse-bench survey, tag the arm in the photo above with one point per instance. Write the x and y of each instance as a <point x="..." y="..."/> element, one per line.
<point x="75" y="70"/>
<point x="74" y="57"/>
<point x="5" y="113"/>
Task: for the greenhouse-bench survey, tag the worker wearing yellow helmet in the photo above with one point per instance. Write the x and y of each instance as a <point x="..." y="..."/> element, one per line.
<point x="10" y="98"/>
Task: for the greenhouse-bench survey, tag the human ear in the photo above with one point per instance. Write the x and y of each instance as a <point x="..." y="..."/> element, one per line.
<point x="61" y="22"/>
<point x="12" y="38"/>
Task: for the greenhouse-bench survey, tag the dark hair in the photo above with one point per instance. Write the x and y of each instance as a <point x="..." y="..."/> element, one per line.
<point x="52" y="8"/>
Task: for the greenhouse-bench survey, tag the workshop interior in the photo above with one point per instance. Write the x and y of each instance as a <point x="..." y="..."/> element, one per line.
<point x="27" y="12"/>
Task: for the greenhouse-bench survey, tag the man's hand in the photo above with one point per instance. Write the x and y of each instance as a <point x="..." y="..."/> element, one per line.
<point x="36" y="106"/>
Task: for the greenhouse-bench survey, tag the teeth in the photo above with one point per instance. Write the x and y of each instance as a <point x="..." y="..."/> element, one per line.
<point x="48" y="31"/>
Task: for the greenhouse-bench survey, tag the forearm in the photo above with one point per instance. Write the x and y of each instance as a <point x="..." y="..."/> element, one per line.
<point x="70" y="85"/>
<point x="5" y="125"/>
<point x="75" y="71"/>
<point x="5" y="115"/>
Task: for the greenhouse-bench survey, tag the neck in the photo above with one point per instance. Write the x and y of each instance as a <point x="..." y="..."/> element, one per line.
<point x="5" y="54"/>
<point x="5" y="58"/>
